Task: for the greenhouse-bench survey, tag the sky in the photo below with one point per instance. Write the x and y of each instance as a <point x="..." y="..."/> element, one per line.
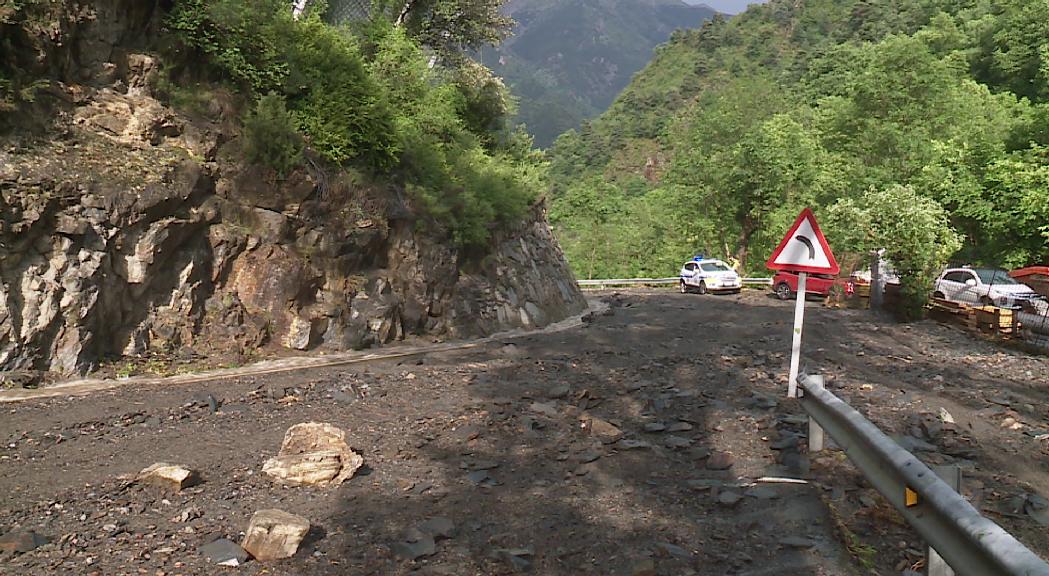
<point x="727" y="6"/>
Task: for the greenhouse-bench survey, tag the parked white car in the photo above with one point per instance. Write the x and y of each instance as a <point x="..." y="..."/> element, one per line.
<point x="709" y="275"/>
<point x="983" y="287"/>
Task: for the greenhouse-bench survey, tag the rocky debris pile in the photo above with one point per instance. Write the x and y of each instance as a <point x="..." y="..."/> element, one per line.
<point x="602" y="452"/>
<point x="314" y="454"/>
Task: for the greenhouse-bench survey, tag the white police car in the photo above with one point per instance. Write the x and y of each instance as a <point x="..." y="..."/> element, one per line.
<point x="709" y="275"/>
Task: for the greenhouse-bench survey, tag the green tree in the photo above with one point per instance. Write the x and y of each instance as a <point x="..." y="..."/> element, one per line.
<point x="914" y="230"/>
<point x="588" y="217"/>
<point x="1014" y="53"/>
<point x="1019" y="183"/>
<point x="454" y="26"/>
<point x="940" y="104"/>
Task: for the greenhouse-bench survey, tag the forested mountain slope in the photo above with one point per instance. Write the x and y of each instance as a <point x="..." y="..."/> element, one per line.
<point x="568" y="59"/>
<point x="918" y="126"/>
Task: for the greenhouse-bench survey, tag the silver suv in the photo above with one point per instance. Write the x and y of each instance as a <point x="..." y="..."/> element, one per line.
<point x="983" y="287"/>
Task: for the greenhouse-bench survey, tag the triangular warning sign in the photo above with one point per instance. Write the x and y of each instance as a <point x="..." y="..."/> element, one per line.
<point x="804" y="249"/>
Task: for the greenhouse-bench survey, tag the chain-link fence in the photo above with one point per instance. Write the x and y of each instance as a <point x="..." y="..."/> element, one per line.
<point x="991" y="300"/>
<point x="342" y="11"/>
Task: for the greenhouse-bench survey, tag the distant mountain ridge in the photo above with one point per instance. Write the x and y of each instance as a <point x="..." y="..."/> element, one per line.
<point x="725" y="6"/>
<point x="568" y="59"/>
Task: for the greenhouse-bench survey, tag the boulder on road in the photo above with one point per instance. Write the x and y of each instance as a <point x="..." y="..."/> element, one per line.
<point x="603" y="430"/>
<point x="275" y="534"/>
<point x="314" y="454"/>
<point x="720" y="461"/>
<point x="169" y="476"/>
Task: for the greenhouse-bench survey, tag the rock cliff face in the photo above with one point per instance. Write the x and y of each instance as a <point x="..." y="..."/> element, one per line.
<point x="131" y="229"/>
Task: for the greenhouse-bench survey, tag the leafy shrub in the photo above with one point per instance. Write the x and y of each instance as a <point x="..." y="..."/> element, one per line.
<point x="238" y="40"/>
<point x="339" y="105"/>
<point x="375" y="101"/>
<point x="446" y="140"/>
<point x="317" y="68"/>
<point x="486" y="100"/>
<point x="270" y="135"/>
<point x="914" y="230"/>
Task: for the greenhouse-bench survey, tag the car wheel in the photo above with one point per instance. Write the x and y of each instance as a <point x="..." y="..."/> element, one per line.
<point x="702" y="287"/>
<point x="684" y="287"/>
<point x="939" y="295"/>
<point x="986" y="301"/>
<point x="783" y="291"/>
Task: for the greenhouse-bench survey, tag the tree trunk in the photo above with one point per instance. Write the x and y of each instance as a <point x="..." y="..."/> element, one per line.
<point x="747" y="231"/>
<point x="404" y="12"/>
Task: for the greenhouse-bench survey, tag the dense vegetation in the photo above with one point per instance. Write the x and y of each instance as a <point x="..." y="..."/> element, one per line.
<point x="921" y="127"/>
<point x="18" y="83"/>
<point x="374" y="99"/>
<point x="568" y="59"/>
<point x="392" y="98"/>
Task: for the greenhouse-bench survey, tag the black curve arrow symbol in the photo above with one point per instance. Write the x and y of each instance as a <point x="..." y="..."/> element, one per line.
<point x="804" y="240"/>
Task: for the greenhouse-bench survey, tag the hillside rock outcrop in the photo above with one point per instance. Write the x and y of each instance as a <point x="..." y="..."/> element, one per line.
<point x="131" y="229"/>
<point x="95" y="265"/>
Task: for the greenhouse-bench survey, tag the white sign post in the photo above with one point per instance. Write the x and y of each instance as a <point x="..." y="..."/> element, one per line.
<point x="804" y="250"/>
<point x="795" y="349"/>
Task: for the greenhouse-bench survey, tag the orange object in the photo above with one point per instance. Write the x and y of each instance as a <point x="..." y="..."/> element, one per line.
<point x="1037" y="277"/>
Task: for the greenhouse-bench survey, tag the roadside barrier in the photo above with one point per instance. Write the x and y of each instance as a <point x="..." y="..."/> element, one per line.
<point x="967" y="541"/>
<point x="601" y="284"/>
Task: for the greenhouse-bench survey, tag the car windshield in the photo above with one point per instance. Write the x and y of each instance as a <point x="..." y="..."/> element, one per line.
<point x="715" y="267"/>
<point x="991" y="276"/>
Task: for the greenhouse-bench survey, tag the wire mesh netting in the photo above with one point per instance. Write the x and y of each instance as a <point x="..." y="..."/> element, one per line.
<point x="342" y="11"/>
<point x="991" y="288"/>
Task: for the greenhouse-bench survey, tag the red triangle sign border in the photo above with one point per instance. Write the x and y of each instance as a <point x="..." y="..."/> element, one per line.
<point x="806" y="214"/>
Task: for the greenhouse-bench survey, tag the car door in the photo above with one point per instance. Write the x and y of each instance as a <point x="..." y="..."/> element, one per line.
<point x="952" y="285"/>
<point x="967" y="287"/>
<point x="688" y="274"/>
<point x="819" y="284"/>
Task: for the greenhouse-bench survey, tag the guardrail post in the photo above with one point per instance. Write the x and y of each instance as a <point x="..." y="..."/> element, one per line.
<point x="935" y="565"/>
<point x="815" y="430"/>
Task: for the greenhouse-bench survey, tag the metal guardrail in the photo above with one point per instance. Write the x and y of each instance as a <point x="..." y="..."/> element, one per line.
<point x="629" y="282"/>
<point x="970" y="543"/>
<point x="659" y="282"/>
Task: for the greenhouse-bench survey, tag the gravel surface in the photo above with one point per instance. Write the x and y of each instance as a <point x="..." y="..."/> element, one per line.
<point x="631" y="446"/>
